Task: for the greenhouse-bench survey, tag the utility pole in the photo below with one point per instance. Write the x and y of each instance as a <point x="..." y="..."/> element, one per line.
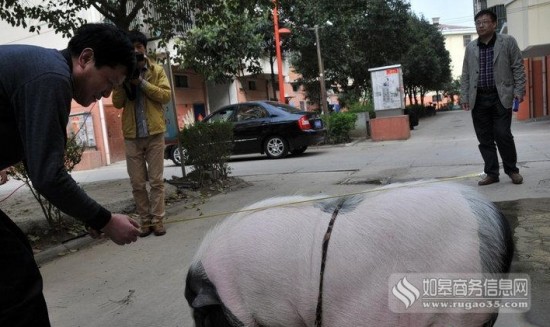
<point x="321" y="72"/>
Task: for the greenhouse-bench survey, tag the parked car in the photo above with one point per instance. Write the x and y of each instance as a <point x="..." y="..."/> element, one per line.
<point x="172" y="152"/>
<point x="266" y="127"/>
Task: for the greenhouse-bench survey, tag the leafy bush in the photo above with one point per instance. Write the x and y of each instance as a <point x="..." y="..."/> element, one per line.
<point x="339" y="125"/>
<point x="363" y="107"/>
<point x="208" y="147"/>
<point x="73" y="155"/>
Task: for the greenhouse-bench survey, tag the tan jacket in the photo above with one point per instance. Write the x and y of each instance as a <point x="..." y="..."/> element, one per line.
<point x="156" y="89"/>
<point x="507" y="66"/>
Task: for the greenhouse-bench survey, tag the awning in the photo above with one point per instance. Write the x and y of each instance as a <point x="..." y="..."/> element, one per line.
<point x="539" y="50"/>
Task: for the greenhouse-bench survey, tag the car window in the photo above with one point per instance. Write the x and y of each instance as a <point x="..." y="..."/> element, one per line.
<point x="222" y="115"/>
<point x="285" y="107"/>
<point x="251" y="111"/>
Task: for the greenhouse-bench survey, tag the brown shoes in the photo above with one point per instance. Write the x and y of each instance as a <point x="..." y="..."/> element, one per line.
<point x="516" y="178"/>
<point x="145" y="231"/>
<point x="159" y="229"/>
<point x="488" y="180"/>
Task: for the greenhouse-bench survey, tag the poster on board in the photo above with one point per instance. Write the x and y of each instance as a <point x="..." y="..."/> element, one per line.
<point x="387" y="87"/>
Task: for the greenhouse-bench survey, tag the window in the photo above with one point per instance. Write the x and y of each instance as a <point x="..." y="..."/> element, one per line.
<point x="223" y="115"/>
<point x="252" y="85"/>
<point x="81" y="128"/>
<point x="466" y="39"/>
<point x="250" y="112"/>
<point x="181" y="81"/>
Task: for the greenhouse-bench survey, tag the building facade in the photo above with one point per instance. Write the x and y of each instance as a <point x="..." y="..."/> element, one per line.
<point x="527" y="21"/>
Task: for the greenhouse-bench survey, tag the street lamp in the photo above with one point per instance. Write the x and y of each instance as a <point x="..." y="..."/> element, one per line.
<point x="278" y="32"/>
<point x="321" y="72"/>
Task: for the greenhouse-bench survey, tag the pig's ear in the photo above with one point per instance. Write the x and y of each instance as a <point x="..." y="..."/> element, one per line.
<point x="206" y="296"/>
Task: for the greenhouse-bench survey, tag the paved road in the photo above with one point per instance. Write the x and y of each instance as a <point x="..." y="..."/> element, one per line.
<point x="142" y="284"/>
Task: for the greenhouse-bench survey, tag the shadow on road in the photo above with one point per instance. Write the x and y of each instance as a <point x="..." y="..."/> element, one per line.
<point x="529" y="222"/>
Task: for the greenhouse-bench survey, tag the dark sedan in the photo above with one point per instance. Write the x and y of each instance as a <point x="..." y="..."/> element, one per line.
<point x="270" y="127"/>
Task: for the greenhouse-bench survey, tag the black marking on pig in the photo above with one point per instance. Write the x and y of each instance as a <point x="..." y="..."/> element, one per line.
<point x="491" y="322"/>
<point x="496" y="246"/>
<point x="206" y="305"/>
<point x="346" y="204"/>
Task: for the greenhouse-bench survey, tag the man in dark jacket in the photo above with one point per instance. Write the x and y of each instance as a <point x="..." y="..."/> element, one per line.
<point x="37" y="86"/>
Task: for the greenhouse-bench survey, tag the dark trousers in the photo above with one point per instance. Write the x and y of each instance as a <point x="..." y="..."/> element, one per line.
<point x="22" y="302"/>
<point x="492" y="125"/>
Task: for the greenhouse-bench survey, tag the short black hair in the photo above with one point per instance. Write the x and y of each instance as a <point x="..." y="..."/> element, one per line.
<point x="137" y="36"/>
<point x="486" y="12"/>
<point x="110" y="44"/>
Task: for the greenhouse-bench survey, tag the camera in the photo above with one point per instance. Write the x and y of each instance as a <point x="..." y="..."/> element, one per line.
<point x="137" y="70"/>
<point x="140" y="56"/>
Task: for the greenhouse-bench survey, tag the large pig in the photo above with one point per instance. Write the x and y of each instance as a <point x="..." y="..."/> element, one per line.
<point x="262" y="268"/>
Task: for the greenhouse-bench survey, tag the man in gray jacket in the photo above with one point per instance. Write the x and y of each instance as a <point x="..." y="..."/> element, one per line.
<point x="493" y="77"/>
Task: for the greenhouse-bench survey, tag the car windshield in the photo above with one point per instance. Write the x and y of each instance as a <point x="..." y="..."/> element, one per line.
<point x="288" y="108"/>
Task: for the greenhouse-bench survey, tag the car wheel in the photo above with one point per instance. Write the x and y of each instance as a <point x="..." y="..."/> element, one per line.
<point x="175" y="155"/>
<point x="275" y="147"/>
<point x="299" y="150"/>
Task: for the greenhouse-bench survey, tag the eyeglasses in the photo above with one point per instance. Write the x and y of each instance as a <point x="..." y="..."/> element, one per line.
<point x="483" y="22"/>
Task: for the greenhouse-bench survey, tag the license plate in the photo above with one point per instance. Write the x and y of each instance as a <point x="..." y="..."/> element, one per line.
<point x="317" y="124"/>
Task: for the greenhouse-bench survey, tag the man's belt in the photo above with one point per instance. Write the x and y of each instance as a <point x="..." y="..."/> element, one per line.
<point x="486" y="90"/>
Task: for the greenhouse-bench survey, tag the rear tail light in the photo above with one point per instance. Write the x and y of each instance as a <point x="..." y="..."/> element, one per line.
<point x="304" y="124"/>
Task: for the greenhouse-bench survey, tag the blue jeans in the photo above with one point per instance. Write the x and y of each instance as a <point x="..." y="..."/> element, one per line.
<point x="492" y="126"/>
<point x="22" y="302"/>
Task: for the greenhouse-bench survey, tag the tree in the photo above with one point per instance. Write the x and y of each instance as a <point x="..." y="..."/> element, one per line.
<point x="451" y="89"/>
<point x="225" y="44"/>
<point x="364" y="34"/>
<point x="426" y="63"/>
<point x="164" y="18"/>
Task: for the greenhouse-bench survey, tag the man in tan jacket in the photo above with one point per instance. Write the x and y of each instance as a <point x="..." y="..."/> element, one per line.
<point x="143" y="126"/>
<point x="493" y="77"/>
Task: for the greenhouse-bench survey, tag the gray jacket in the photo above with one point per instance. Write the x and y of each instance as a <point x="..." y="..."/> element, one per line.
<point x="507" y="66"/>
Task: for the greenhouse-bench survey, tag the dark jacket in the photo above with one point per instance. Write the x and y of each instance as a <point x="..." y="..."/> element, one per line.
<point x="35" y="101"/>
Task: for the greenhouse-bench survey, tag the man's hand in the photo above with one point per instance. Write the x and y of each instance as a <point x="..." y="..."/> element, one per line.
<point x="121" y="229"/>
<point x="3" y="176"/>
<point x="136" y="81"/>
<point x="520" y="98"/>
<point x="466" y="106"/>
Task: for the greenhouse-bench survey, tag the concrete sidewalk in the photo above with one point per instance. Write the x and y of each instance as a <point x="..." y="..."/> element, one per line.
<point x="107" y="285"/>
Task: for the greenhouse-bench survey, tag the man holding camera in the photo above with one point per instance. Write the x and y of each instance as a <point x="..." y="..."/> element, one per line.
<point x="142" y="97"/>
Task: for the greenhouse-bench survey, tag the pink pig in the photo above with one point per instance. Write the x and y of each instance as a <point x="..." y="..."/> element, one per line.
<point x="262" y="268"/>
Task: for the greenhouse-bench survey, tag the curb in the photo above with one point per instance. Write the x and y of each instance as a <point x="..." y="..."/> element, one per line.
<point x="63" y="249"/>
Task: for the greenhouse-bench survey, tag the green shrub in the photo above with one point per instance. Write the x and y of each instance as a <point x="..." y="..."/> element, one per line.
<point x="73" y="155"/>
<point x="208" y="147"/>
<point x="339" y="125"/>
<point x="357" y="107"/>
